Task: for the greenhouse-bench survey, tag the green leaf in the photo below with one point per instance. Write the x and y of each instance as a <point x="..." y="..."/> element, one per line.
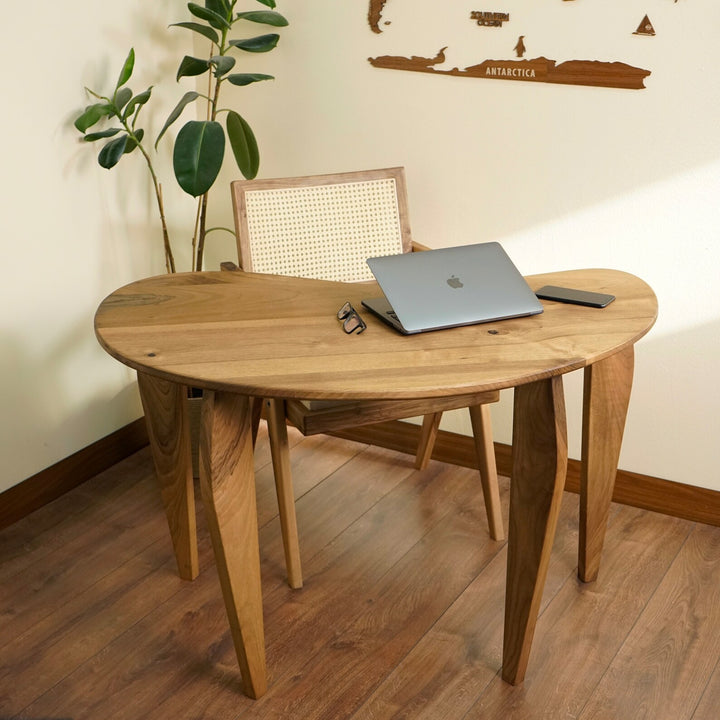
<point x="132" y="143"/>
<point x="223" y="64"/>
<point x="215" y="19"/>
<point x="269" y="3"/>
<point x="122" y="97"/>
<point x="208" y="32"/>
<point x="186" y="99"/>
<point x="243" y="144"/>
<point x="198" y="155"/>
<point x="92" y="114"/>
<point x="243" y="79"/>
<point x="263" y="16"/>
<point x="137" y="101"/>
<point x="192" y="66"/>
<point x="221" y="7"/>
<point x="262" y="43"/>
<point x="110" y="155"/>
<point x="126" y="72"/>
<point x="92" y="137"/>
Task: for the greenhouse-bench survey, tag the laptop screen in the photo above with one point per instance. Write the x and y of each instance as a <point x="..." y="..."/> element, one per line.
<point x="448" y="287"/>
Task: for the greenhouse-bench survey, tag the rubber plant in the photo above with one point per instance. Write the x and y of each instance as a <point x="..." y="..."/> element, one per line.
<point x="199" y="147"/>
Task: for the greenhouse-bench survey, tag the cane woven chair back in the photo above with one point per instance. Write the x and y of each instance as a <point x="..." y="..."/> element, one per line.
<point x="322" y="227"/>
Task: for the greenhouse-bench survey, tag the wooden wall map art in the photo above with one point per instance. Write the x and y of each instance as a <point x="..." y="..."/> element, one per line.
<point x="489" y="19"/>
<point x="594" y="73"/>
<point x="645" y="27"/>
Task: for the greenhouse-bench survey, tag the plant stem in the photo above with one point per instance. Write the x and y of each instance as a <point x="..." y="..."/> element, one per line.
<point x="169" y="258"/>
<point x="204" y="197"/>
<point x="201" y="231"/>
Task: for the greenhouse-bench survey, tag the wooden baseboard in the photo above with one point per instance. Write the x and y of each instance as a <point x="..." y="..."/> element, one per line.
<point x="650" y="493"/>
<point x="51" y="483"/>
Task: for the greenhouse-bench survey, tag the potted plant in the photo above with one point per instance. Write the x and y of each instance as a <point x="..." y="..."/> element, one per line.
<point x="199" y="147"/>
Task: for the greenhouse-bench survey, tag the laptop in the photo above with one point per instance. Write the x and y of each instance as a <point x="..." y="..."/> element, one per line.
<point x="449" y="287"/>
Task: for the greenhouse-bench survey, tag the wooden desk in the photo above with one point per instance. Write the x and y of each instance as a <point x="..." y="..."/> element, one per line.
<point x="239" y="335"/>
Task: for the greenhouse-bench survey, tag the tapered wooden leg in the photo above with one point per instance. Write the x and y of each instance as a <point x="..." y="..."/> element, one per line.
<point x="605" y="402"/>
<point x="227" y="482"/>
<point x="428" y="435"/>
<point x="482" y="433"/>
<point x="539" y="467"/>
<point x="257" y="406"/>
<point x="280" y="451"/>
<point x="165" y="406"/>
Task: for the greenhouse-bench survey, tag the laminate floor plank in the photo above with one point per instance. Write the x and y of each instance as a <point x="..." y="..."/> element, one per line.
<point x="390" y="616"/>
<point x="400" y="616"/>
<point x="707" y="708"/>
<point x="72" y="568"/>
<point x="450" y="667"/>
<point x="340" y="579"/>
<point x="172" y="644"/>
<point x="62" y="521"/>
<point x="82" y="627"/>
<point x="313" y="459"/>
<point x="89" y="505"/>
<point x="585" y="625"/>
<point x="665" y="664"/>
<point x="72" y="626"/>
<point x="326" y="509"/>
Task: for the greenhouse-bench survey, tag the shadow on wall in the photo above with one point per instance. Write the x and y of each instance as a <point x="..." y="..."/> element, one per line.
<point x="509" y="155"/>
<point x="56" y="417"/>
<point x="673" y="422"/>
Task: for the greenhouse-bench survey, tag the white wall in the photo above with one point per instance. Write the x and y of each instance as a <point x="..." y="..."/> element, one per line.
<point x="563" y="176"/>
<point x="71" y="231"/>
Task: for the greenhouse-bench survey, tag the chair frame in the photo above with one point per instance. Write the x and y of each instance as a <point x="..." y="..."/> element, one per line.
<point x="331" y="418"/>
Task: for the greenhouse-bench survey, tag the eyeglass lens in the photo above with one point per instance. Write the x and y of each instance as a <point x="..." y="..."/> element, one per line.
<point x="352" y="322"/>
<point x="344" y="311"/>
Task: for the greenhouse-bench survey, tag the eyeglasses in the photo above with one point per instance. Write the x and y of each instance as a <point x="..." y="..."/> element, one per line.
<point x="352" y="322"/>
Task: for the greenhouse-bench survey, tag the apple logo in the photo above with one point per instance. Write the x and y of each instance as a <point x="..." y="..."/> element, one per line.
<point x="454" y="282"/>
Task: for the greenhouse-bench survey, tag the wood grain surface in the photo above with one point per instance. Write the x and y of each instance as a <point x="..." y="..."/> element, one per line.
<point x="279" y="337"/>
<point x="169" y="432"/>
<point x="539" y="465"/>
<point x="607" y="395"/>
<point x="227" y="484"/>
<point x="402" y="614"/>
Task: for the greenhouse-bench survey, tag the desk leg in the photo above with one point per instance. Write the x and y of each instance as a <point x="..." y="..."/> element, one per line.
<point x="536" y="487"/>
<point x="227" y="483"/>
<point x="605" y="402"/>
<point x="169" y="432"/>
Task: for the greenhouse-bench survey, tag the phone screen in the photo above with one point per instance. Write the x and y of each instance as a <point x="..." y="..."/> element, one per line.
<point x="575" y="297"/>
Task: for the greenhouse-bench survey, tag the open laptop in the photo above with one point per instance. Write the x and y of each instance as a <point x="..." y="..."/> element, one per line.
<point x="449" y="287"/>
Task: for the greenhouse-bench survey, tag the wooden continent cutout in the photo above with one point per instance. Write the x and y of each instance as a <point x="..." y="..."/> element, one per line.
<point x="645" y="27"/>
<point x="594" y="73"/>
<point x="375" y="10"/>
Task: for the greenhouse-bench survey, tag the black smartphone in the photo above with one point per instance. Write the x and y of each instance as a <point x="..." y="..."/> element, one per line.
<point x="575" y="297"/>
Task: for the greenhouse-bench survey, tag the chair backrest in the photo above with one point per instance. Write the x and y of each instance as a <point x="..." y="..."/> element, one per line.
<point x="321" y="226"/>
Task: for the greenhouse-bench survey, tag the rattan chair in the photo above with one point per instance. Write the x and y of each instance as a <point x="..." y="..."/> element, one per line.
<point x="325" y="227"/>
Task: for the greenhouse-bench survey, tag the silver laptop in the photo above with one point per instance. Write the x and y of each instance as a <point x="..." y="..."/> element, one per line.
<point x="449" y="287"/>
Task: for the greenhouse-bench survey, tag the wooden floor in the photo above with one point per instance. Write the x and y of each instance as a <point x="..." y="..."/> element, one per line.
<point x="401" y="614"/>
